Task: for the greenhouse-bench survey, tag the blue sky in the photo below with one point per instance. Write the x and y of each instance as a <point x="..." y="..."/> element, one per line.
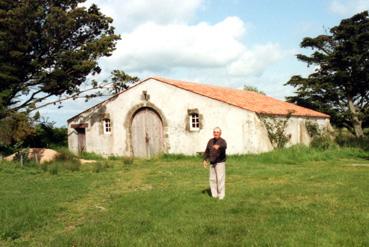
<point x="229" y="43"/>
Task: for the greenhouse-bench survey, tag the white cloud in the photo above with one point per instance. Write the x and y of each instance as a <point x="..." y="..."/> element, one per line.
<point x="128" y="14"/>
<point x="164" y="48"/>
<point x="255" y="61"/>
<point x="348" y="7"/>
<point x="160" y="37"/>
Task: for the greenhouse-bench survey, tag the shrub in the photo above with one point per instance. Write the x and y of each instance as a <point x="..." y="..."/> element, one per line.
<point x="322" y="138"/>
<point x="352" y="141"/>
<point x="312" y="129"/>
<point x="46" y="135"/>
<point x="323" y="142"/>
<point x="276" y="130"/>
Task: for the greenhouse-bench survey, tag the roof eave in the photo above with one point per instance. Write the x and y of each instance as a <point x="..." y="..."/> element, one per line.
<point x="294" y="115"/>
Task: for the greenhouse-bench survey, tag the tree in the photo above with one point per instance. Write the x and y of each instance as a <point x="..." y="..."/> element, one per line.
<point x="15" y="128"/>
<point x="26" y="131"/>
<point x="121" y="81"/>
<point x="117" y="82"/>
<point x="252" y="88"/>
<point x="47" y="48"/>
<point x="339" y="85"/>
<point x="47" y="135"/>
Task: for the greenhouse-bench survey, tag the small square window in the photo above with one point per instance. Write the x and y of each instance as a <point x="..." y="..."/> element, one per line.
<point x="194" y="121"/>
<point x="107" y="126"/>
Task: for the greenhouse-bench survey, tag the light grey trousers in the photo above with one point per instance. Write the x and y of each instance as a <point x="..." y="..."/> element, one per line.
<point x="217" y="180"/>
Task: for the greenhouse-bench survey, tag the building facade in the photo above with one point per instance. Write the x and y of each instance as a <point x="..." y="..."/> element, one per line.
<point x="159" y="115"/>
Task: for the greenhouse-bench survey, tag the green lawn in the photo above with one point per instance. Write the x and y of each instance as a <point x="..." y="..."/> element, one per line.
<point x="294" y="197"/>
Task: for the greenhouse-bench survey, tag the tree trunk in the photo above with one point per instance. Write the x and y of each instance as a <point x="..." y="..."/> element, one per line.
<point x="356" y="122"/>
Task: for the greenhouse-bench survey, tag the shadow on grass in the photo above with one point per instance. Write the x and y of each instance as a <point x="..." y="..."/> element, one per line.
<point x="207" y="191"/>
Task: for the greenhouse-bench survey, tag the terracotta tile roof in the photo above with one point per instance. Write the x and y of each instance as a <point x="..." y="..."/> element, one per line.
<point x="248" y="100"/>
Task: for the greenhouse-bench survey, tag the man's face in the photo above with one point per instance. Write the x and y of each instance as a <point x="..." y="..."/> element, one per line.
<point x="217" y="133"/>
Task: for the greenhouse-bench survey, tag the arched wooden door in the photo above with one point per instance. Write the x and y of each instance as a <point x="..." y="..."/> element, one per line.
<point x="146" y="133"/>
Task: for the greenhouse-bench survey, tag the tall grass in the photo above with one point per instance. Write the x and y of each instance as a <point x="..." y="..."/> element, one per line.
<point x="347" y="141"/>
<point x="296" y="154"/>
<point x="175" y="157"/>
<point x="65" y="154"/>
<point x="91" y="156"/>
<point x="300" y="154"/>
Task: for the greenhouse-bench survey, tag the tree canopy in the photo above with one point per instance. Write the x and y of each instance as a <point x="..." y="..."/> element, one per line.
<point x="47" y="48"/>
<point x="252" y="88"/>
<point x="339" y="84"/>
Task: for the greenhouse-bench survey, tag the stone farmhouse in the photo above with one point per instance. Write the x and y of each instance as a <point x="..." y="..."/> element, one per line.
<point x="160" y="115"/>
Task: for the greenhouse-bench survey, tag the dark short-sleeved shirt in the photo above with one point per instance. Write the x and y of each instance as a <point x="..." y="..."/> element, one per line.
<point x="213" y="155"/>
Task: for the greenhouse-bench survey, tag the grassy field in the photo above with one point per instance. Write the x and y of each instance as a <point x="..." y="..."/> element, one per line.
<point x="293" y="197"/>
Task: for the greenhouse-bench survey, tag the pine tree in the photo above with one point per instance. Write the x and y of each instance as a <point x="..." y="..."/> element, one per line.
<point x="47" y="48"/>
<point x="339" y="85"/>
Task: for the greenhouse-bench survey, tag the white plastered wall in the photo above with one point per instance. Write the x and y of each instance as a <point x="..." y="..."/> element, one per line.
<point x="296" y="128"/>
<point x="242" y="129"/>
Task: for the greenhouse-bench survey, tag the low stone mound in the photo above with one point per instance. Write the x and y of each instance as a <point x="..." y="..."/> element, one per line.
<point x="40" y="155"/>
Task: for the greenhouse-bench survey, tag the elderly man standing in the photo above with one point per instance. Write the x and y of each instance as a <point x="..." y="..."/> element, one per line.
<point x="215" y="153"/>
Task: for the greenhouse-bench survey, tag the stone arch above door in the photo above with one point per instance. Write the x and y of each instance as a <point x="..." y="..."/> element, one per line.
<point x="128" y="122"/>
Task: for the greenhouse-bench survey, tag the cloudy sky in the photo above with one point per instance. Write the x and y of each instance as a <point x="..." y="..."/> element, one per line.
<point x="222" y="42"/>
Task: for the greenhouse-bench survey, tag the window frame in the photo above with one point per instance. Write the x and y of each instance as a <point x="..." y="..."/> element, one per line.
<point x="107" y="126"/>
<point x="194" y="121"/>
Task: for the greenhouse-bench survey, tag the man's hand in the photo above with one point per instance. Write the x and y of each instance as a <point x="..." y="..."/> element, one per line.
<point x="205" y="163"/>
<point x="216" y="146"/>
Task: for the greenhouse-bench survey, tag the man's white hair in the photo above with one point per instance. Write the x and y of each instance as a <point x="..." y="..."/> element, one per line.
<point x="217" y="128"/>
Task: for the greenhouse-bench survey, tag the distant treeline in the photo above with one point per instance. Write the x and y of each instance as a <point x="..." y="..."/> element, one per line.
<point x="44" y="135"/>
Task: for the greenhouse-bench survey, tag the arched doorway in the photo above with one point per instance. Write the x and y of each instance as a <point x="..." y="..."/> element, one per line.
<point x="146" y="133"/>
